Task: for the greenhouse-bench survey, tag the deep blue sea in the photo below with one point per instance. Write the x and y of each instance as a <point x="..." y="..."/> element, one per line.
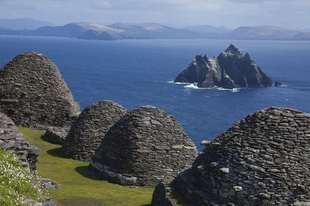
<point x="134" y="73"/>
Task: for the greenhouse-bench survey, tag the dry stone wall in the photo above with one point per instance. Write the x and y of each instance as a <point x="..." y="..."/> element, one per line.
<point x="145" y="146"/>
<point x="34" y="94"/>
<point x="15" y="141"/>
<point x="161" y="196"/>
<point x="261" y="160"/>
<point x="88" y="131"/>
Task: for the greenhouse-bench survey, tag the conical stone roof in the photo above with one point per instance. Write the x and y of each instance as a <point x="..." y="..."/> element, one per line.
<point x="146" y="146"/>
<point x="33" y="92"/>
<point x="88" y="131"/>
<point x="261" y="160"/>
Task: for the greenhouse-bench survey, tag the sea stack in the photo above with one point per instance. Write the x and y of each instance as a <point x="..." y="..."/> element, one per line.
<point x="34" y="94"/>
<point x="144" y="147"/>
<point x="89" y="129"/>
<point x="228" y="70"/>
<point x="261" y="160"/>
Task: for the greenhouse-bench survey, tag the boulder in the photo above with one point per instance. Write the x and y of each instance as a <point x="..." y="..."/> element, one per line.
<point x="261" y="160"/>
<point x="277" y="84"/>
<point x="88" y="131"/>
<point x="56" y="135"/>
<point x="47" y="184"/>
<point x="34" y="94"/>
<point x="228" y="70"/>
<point x="144" y="147"/>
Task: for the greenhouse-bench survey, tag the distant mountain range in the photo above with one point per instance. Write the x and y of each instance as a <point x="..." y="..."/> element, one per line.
<point x="23" y="23"/>
<point x="84" y="30"/>
<point x="208" y="29"/>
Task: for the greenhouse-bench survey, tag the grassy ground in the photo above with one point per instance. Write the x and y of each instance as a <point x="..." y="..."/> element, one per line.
<point x="79" y="188"/>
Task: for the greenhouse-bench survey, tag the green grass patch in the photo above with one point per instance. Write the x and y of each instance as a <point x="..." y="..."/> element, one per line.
<point x="79" y="187"/>
<point x="15" y="181"/>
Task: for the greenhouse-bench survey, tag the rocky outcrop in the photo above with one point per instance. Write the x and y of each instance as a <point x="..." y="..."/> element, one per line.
<point x="261" y="160"/>
<point x="48" y="202"/>
<point x="277" y="84"/>
<point x="145" y="146"/>
<point x="47" y="184"/>
<point x="56" y="135"/>
<point x="34" y="94"/>
<point x="88" y="131"/>
<point x="12" y="139"/>
<point x="228" y="70"/>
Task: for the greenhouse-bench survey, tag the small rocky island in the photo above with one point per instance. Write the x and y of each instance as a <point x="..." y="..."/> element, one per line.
<point x="228" y="70"/>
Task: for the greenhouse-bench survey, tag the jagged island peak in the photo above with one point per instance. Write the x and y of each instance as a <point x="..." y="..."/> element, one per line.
<point x="229" y="70"/>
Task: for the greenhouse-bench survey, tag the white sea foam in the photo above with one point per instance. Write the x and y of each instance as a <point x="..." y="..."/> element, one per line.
<point x="193" y="86"/>
<point x="180" y="83"/>
<point x="232" y="90"/>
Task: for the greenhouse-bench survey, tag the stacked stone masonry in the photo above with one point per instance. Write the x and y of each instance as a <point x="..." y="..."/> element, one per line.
<point x="56" y="135"/>
<point x="25" y="153"/>
<point x="89" y="129"/>
<point x="144" y="147"/>
<point x="161" y="195"/>
<point x="261" y="160"/>
<point x="16" y="142"/>
<point x="34" y="94"/>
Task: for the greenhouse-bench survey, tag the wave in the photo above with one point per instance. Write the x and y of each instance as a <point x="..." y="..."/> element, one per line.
<point x="195" y="86"/>
<point x="179" y="82"/>
<point x="192" y="85"/>
<point x="232" y="90"/>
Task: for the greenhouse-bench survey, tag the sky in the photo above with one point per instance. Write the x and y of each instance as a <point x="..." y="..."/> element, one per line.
<point x="290" y="14"/>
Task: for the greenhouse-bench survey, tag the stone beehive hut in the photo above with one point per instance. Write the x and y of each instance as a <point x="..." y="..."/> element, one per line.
<point x="146" y="146"/>
<point x="261" y="160"/>
<point x="33" y="92"/>
<point x="88" y="131"/>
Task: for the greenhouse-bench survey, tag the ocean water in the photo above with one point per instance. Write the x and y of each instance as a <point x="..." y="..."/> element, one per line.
<point x="134" y="73"/>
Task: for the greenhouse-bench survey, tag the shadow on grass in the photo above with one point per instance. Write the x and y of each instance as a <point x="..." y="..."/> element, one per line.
<point x="54" y="152"/>
<point x="84" y="171"/>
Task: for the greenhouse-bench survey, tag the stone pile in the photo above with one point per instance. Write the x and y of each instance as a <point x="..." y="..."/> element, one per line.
<point x="146" y="146"/>
<point x="15" y="141"/>
<point x="34" y="94"/>
<point x="89" y="129"/>
<point x="261" y="160"/>
<point x="56" y="135"/>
